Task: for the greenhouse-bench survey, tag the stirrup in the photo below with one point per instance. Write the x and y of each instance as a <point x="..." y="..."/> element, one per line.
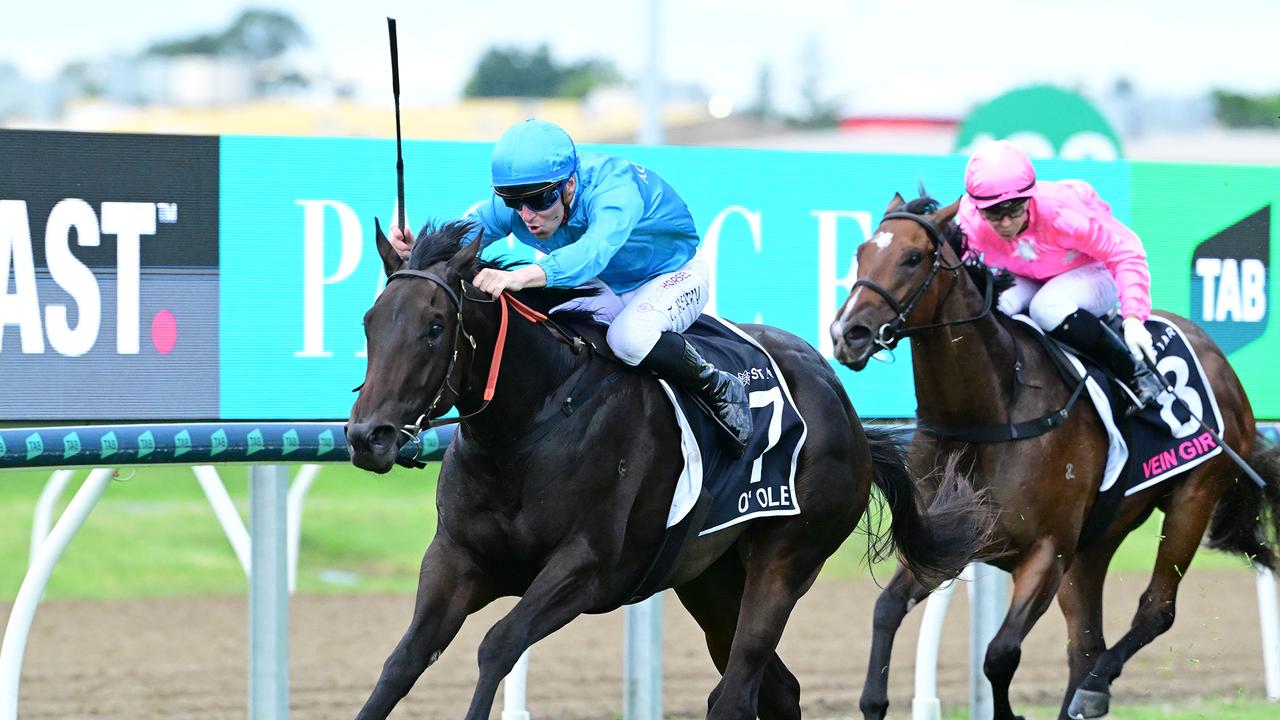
<point x="1133" y="402"/>
<point x="1142" y="390"/>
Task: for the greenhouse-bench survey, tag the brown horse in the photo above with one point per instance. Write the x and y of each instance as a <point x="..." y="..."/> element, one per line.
<point x="974" y="368"/>
<point x="570" y="521"/>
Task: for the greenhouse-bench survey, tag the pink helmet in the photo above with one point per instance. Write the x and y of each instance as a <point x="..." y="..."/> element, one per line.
<point x="999" y="171"/>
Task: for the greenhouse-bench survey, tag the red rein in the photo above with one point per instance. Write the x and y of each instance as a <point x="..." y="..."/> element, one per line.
<point x="529" y="314"/>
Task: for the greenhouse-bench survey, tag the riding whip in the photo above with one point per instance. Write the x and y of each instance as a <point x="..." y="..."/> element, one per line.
<point x="395" y="90"/>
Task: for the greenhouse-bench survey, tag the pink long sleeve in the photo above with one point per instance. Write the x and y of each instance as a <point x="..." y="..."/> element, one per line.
<point x="1069" y="227"/>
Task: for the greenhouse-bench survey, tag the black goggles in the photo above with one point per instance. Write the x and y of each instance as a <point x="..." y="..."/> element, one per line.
<point x="537" y="197"/>
<point x="1007" y="209"/>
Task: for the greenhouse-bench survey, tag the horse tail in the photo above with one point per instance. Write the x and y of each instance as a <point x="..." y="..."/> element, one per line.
<point x="934" y="544"/>
<point x="1247" y="517"/>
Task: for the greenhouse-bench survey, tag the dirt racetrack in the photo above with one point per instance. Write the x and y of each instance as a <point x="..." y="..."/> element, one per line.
<point x="186" y="658"/>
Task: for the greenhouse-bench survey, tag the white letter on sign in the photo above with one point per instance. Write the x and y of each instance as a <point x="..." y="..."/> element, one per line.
<point x="827" y="281"/>
<point x="1228" y="300"/>
<point x="1208" y="269"/>
<point x="128" y="221"/>
<point x="711" y="246"/>
<point x="74" y="277"/>
<point x="1253" y="288"/>
<point x="22" y="307"/>
<point x="313" y="277"/>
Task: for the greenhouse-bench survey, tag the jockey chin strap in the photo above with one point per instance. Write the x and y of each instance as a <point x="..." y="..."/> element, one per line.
<point x="888" y="334"/>
<point x="504" y="300"/>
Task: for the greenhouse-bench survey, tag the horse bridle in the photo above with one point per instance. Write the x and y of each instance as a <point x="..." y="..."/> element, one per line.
<point x="458" y="299"/>
<point x="888" y="334"/>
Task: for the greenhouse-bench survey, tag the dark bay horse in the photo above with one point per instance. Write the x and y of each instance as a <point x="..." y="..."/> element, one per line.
<point x="974" y="368"/>
<point x="571" y="523"/>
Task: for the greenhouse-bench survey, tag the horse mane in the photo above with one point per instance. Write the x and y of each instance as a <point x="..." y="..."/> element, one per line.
<point x="440" y="241"/>
<point x="953" y="234"/>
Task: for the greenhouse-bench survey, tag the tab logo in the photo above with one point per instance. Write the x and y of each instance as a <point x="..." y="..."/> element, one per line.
<point x="1231" y="280"/>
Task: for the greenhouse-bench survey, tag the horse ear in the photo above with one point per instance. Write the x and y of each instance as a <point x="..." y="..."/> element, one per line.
<point x="463" y="259"/>
<point x="895" y="203"/>
<point x="391" y="261"/>
<point x="944" y="216"/>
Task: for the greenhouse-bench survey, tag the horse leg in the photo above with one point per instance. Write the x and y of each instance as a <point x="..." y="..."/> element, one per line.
<point x="895" y="601"/>
<point x="450" y="587"/>
<point x="780" y="568"/>
<point x="1035" y="580"/>
<point x="713" y="599"/>
<point x="1184" y="524"/>
<point x="562" y="591"/>
<point x="1080" y="598"/>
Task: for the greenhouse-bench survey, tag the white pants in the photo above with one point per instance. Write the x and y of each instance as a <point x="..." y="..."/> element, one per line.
<point x="668" y="303"/>
<point x="1090" y="287"/>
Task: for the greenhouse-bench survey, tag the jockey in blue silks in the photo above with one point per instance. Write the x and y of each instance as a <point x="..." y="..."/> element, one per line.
<point x="605" y="222"/>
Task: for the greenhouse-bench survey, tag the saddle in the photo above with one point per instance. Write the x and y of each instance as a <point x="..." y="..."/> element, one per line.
<point x="716" y="489"/>
<point x="1160" y="441"/>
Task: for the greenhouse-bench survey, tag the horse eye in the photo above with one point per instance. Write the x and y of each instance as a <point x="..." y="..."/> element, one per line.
<point x="434" y="331"/>
<point x="914" y="258"/>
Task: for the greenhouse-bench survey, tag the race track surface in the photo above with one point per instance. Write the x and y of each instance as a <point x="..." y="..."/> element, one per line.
<point x="187" y="658"/>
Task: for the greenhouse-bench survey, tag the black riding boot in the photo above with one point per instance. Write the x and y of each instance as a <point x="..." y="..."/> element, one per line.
<point x="675" y="360"/>
<point x="1083" y="331"/>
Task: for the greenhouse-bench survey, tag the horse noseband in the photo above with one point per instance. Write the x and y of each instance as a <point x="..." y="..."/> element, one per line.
<point x="888" y="335"/>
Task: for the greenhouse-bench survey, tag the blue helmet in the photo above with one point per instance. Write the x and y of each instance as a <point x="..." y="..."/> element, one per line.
<point x="533" y="152"/>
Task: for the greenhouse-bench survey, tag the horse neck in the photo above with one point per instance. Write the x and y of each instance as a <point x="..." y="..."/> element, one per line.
<point x="963" y="372"/>
<point x="534" y="365"/>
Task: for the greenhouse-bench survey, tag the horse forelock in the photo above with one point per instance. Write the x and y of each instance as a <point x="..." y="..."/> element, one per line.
<point x="923" y="205"/>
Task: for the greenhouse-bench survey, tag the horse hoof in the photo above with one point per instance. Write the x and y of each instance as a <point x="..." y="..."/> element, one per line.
<point x="1087" y="704"/>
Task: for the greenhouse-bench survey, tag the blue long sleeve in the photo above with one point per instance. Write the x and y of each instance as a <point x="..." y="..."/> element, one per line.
<point x="625" y="226"/>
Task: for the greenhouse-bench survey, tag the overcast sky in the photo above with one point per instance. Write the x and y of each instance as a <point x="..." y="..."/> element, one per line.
<point x="878" y="56"/>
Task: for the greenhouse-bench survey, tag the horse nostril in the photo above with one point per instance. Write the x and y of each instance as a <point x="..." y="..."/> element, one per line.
<point x="857" y="335"/>
<point x="382" y="436"/>
<point x="367" y="435"/>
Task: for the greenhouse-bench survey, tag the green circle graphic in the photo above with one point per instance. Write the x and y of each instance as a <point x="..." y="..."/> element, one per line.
<point x="1045" y="121"/>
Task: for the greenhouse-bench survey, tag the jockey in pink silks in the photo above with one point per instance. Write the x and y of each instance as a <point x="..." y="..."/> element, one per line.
<point x="1072" y="260"/>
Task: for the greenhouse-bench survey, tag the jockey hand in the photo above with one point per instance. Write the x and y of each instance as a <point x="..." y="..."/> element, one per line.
<point x="401" y="242"/>
<point x="1009" y="303"/>
<point x="1138" y="339"/>
<point x="495" y="282"/>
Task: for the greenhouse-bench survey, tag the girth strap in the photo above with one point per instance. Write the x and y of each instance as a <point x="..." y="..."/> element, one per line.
<point x="574" y="402"/>
<point x="1003" y="433"/>
<point x="1023" y="430"/>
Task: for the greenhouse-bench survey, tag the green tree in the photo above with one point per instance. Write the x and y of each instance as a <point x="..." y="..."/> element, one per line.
<point x="255" y="35"/>
<point x="263" y="35"/>
<point x="579" y="79"/>
<point x="79" y="77"/>
<point x="512" y="72"/>
<point x="194" y="45"/>
<point x="1239" y="111"/>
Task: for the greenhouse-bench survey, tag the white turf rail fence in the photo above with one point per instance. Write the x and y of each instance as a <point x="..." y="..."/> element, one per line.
<point x="268" y="551"/>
